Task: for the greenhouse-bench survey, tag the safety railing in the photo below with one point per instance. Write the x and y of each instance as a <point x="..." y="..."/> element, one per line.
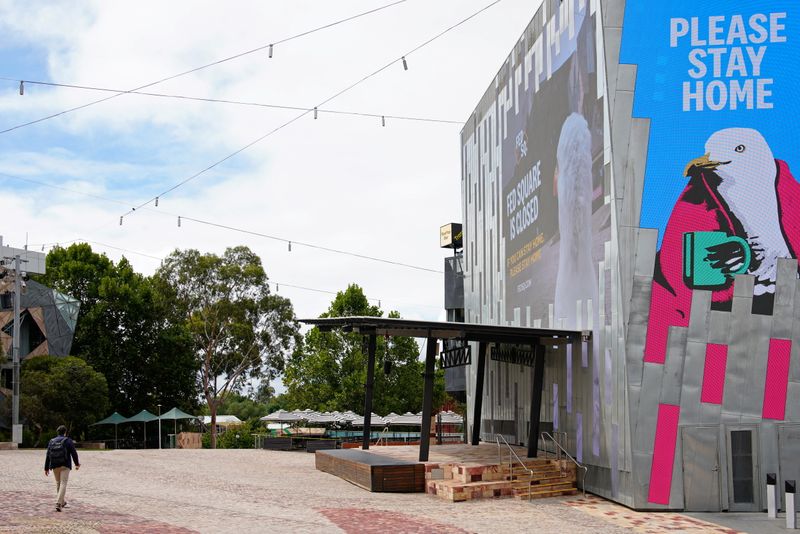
<point x="546" y="436"/>
<point x="513" y="453"/>
<point x="382" y="436"/>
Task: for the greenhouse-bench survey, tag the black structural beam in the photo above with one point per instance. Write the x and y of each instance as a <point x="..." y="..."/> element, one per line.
<point x="483" y="348"/>
<point x="427" y="400"/>
<point x="368" y="390"/>
<point x="536" y="401"/>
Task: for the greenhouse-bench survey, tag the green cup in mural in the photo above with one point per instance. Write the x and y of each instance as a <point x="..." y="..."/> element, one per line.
<point x="707" y="254"/>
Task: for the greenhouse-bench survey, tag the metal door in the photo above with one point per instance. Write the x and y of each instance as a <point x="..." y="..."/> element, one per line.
<point x="700" y="445"/>
<point x="789" y="449"/>
<point x="743" y="478"/>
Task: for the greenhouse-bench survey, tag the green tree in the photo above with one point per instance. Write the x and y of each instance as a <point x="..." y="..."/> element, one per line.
<point x="239" y="329"/>
<point x="328" y="370"/>
<point x="128" y="328"/>
<point x="61" y="391"/>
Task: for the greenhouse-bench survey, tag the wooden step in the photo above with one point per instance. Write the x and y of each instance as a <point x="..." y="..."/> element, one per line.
<point x="544" y="482"/>
<point x="553" y="490"/>
<point x="554" y="473"/>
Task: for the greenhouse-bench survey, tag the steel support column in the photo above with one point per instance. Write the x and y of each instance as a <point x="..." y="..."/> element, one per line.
<point x="427" y="400"/>
<point x="368" y="392"/>
<point x="536" y="400"/>
<point x="483" y="347"/>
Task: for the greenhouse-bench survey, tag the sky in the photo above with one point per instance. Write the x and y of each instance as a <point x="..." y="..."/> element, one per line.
<point x="339" y="181"/>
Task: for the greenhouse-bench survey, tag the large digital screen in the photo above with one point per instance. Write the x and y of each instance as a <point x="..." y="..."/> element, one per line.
<point x="554" y="216"/>
<point x="718" y="82"/>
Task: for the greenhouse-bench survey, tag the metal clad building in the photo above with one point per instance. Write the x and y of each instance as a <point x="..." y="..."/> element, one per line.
<point x="629" y="171"/>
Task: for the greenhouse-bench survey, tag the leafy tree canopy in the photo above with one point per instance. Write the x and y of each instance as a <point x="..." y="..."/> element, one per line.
<point x="238" y="328"/>
<point x="61" y="390"/>
<point x="129" y="329"/>
<point x="328" y="370"/>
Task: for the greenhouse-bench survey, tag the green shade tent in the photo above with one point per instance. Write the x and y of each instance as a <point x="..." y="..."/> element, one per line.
<point x="175" y="414"/>
<point x="113" y="419"/>
<point x="142" y="417"/>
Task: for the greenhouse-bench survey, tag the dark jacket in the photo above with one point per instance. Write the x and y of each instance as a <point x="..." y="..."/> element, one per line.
<point x="72" y="454"/>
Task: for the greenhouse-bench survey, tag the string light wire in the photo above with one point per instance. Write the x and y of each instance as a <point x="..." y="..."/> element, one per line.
<point x="163" y="213"/>
<point x="327" y="100"/>
<point x="161" y="259"/>
<point x="212" y="64"/>
<point x="234" y="102"/>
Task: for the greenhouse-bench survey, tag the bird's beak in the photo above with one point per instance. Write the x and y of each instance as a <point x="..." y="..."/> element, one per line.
<point x="703" y="162"/>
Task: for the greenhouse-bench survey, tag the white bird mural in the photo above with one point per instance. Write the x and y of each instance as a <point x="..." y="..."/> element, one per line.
<point x="747" y="170"/>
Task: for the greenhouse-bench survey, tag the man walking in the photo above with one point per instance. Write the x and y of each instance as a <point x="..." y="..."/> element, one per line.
<point x="60" y="454"/>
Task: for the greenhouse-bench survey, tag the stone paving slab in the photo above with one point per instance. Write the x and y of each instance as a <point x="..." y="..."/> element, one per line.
<point x="241" y="491"/>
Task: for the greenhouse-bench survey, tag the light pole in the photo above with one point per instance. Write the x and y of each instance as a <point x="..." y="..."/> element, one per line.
<point x="159" y="426"/>
<point x="16" y="428"/>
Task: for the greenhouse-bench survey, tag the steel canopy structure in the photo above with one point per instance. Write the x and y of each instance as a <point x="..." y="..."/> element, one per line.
<point x="484" y="335"/>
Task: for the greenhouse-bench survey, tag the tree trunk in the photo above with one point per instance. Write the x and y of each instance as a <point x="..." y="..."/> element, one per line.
<point x="212" y="406"/>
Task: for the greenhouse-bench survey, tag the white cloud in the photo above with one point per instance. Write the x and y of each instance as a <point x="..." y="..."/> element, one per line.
<point x="342" y="182"/>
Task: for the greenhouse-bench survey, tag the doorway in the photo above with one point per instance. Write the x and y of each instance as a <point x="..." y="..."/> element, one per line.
<point x="700" y="446"/>
<point x="742" y="452"/>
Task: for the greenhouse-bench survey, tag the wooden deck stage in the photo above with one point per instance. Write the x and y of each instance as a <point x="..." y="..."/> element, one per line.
<point x="373" y="472"/>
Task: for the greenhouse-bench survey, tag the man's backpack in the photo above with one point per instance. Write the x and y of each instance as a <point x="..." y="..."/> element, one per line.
<point x="57" y="452"/>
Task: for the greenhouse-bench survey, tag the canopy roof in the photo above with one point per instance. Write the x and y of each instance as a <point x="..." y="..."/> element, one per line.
<point x="407" y="419"/>
<point x="175" y="413"/>
<point x="375" y="420"/>
<point x="384" y="326"/>
<point x="113" y="419"/>
<point x="282" y="416"/>
<point x="221" y="420"/>
<point x="142" y="417"/>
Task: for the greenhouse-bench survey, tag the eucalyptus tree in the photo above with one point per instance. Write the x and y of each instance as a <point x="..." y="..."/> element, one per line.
<point x="239" y="329"/>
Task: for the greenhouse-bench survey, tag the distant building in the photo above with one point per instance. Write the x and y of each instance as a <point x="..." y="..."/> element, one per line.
<point x="47" y="326"/>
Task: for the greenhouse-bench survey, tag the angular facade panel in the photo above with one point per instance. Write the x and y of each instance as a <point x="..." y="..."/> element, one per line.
<point x="641" y="165"/>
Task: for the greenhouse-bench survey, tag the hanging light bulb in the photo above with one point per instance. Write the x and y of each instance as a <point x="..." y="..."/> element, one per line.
<point x="290" y="246"/>
<point x="383" y="120"/>
<point x="42" y="248"/>
<point x="315" y="113"/>
<point x="405" y="65"/>
<point x="270" y="51"/>
<point x="179" y="221"/>
<point x="156" y="201"/>
<point x="21" y="87"/>
<point x="277" y="287"/>
<point x="120" y="220"/>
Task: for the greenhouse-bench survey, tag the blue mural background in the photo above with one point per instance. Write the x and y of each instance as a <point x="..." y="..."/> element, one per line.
<point x="677" y="136"/>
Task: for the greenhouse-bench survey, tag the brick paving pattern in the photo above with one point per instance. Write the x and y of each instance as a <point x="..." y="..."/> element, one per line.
<point x="241" y="491"/>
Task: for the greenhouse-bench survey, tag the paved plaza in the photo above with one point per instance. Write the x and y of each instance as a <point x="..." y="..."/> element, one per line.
<point x="181" y="491"/>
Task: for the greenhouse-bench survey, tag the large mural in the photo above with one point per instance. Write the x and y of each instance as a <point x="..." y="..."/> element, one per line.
<point x="717" y="83"/>
<point x="718" y="86"/>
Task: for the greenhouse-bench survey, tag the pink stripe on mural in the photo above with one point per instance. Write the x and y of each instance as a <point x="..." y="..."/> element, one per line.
<point x="663" y="453"/>
<point x="780" y="351"/>
<point x="714" y="373"/>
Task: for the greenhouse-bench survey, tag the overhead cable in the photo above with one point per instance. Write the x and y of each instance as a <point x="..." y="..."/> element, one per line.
<point x="239" y="102"/>
<point x="275" y="282"/>
<point x="304" y="113"/>
<point x="222" y="226"/>
<point x="268" y="47"/>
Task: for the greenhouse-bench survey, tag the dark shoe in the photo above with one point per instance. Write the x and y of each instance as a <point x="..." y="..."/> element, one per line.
<point x="58" y="508"/>
<point x="64" y="505"/>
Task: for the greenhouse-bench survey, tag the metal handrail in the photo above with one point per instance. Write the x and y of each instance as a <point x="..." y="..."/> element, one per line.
<point x="497" y="438"/>
<point x="382" y="436"/>
<point x="546" y="435"/>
